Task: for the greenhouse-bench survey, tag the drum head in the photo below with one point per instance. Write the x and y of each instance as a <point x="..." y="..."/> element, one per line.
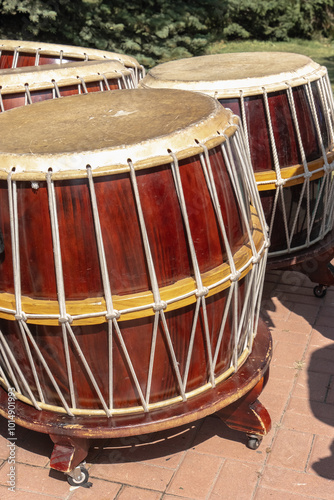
<point x="105" y="129"/>
<point x="226" y="74"/>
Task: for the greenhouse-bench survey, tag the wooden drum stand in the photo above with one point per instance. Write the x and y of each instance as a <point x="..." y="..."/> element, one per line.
<point x="314" y="262"/>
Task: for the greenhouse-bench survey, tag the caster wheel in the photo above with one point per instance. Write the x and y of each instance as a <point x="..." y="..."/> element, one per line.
<point x="81" y="477"/>
<point x="254" y="442"/>
<point x="320" y="291"/>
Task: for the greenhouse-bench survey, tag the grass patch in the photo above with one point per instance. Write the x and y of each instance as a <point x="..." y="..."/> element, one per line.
<point x="320" y="51"/>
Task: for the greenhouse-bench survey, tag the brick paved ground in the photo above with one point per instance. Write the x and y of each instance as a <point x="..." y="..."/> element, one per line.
<point x="206" y="460"/>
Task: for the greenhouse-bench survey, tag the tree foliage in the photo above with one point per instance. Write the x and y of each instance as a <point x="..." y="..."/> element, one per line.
<point x="276" y="19"/>
<point x="157" y="30"/>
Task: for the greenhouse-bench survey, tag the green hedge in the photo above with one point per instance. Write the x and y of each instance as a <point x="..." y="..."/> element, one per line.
<point x="156" y="31"/>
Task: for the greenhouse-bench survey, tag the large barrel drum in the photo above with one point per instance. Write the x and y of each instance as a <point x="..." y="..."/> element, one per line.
<point x="132" y="244"/>
<point x="286" y="105"/>
<point x="28" y="85"/>
<point x="19" y="53"/>
<point x="132" y="258"/>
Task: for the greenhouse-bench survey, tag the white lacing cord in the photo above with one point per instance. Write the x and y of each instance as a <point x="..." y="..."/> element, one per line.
<point x="142" y="71"/>
<point x="5" y="360"/>
<point x="121" y="81"/>
<point x="253" y="195"/>
<point x="19" y="315"/>
<point x="24" y="326"/>
<point x="64" y="318"/>
<point x="127" y="82"/>
<point x="247" y="299"/>
<point x="279" y="181"/>
<point x="326" y="102"/>
<point x="248" y="172"/>
<point x="159" y="305"/>
<point x="105" y="79"/>
<point x="231" y="292"/>
<point x="28" y="99"/>
<point x="59" y="280"/>
<point x="191" y="341"/>
<point x="206" y="165"/>
<point x="82" y="85"/>
<point x="1" y="103"/>
<point x="19" y="372"/>
<point x="297" y="129"/>
<point x="307" y="174"/>
<point x="328" y="105"/>
<point x="250" y="184"/>
<point x="8" y="366"/>
<point x="235" y="180"/>
<point x="132" y="80"/>
<point x="330" y="208"/>
<point x="325" y="200"/>
<point x="37" y="55"/>
<point x="310" y="97"/>
<point x="244" y="123"/>
<point x="111" y="314"/>
<point x="257" y="299"/>
<point x="56" y="90"/>
<point x="14" y="233"/>
<point x="234" y="275"/>
<point x="330" y="102"/>
<point x="306" y="187"/>
<point x="272" y="138"/>
<point x="327" y="167"/>
<point x="15" y="57"/>
<point x="201" y="290"/>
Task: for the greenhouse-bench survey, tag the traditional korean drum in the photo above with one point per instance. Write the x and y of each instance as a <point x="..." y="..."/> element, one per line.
<point x="286" y="106"/>
<point x="132" y="264"/>
<point x="18" y="53"/>
<point x="22" y="86"/>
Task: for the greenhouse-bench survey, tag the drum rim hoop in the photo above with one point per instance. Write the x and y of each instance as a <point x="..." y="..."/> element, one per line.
<point x="210" y="132"/>
<point x="14" y="81"/>
<point x="68" y="51"/>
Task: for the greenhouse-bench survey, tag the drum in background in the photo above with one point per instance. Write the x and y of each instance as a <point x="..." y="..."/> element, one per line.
<point x="134" y="252"/>
<point x="18" y="53"/>
<point x="22" y="86"/>
<point x="286" y="105"/>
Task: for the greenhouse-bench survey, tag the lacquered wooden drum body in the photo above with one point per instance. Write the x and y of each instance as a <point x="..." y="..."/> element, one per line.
<point x="133" y="251"/>
<point x="286" y="105"/>
<point x="22" y="86"/>
<point x="19" y="53"/>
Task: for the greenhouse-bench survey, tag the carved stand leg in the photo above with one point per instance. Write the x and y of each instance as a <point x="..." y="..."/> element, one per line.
<point x="67" y="455"/>
<point x="68" y="452"/>
<point x="248" y="415"/>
